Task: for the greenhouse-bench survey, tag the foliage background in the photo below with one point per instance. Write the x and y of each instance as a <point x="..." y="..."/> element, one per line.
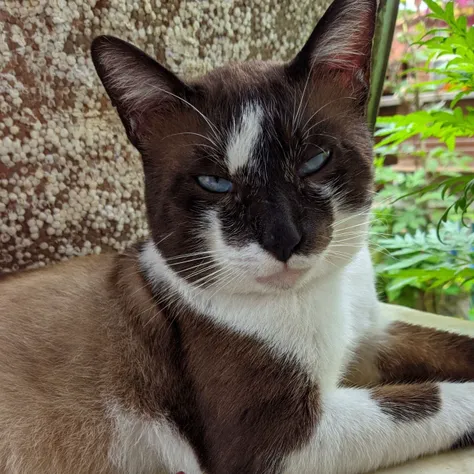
<point x="423" y="233"/>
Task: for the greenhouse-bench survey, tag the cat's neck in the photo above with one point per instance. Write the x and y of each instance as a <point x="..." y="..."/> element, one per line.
<point x="305" y="325"/>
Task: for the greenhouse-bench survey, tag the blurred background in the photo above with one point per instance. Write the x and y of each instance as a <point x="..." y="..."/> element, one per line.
<point x="423" y="242"/>
<point x="70" y="184"/>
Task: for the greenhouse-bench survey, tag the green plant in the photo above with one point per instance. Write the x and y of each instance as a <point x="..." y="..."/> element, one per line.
<point x="454" y="38"/>
<point x="422" y="229"/>
<point x="420" y="265"/>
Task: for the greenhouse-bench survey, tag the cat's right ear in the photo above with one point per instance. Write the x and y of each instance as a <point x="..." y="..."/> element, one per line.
<point x="136" y="84"/>
<point x="340" y="47"/>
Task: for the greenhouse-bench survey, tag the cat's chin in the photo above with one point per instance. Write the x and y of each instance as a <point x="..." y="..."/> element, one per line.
<point x="286" y="279"/>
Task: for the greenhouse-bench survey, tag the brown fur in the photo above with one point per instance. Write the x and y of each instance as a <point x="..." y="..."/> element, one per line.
<point x="93" y="333"/>
<point x="80" y="336"/>
<point x="249" y="402"/>
<point x="412" y="402"/>
<point x="53" y="356"/>
<point x="415" y="354"/>
<point x="406" y="353"/>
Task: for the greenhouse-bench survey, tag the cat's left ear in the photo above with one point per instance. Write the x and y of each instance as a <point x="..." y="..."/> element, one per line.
<point x="340" y="47"/>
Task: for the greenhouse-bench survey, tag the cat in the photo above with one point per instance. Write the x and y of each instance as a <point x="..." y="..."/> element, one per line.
<point x="245" y="335"/>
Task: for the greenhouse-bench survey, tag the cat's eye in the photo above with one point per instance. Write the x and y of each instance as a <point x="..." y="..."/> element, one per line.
<point x="214" y="184"/>
<point x="314" y="164"/>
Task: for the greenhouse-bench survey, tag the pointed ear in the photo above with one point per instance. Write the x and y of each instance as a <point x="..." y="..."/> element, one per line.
<point x="136" y="84"/>
<point x="341" y="45"/>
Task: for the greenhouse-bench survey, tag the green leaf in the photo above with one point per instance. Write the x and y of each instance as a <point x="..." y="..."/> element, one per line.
<point x="458" y="97"/>
<point x="403" y="252"/>
<point x="443" y="219"/>
<point x="449" y="13"/>
<point x="451" y="142"/>
<point x="451" y="290"/>
<point x="435" y="8"/>
<point x="462" y="23"/>
<point x="409" y="262"/>
<point x="470" y="38"/>
<point x="400" y="283"/>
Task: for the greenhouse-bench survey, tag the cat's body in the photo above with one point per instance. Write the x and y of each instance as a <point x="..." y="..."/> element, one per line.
<point x="96" y="363"/>
<point x="227" y="342"/>
<point x="93" y="390"/>
<point x="96" y="379"/>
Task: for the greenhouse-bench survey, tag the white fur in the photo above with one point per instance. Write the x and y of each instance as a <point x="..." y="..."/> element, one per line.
<point x="246" y="263"/>
<point x="149" y="446"/>
<point x="244" y="137"/>
<point x="355" y="436"/>
<point x="313" y="323"/>
<point x="318" y="322"/>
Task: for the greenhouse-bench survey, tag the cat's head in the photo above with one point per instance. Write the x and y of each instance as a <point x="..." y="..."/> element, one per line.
<point x="258" y="175"/>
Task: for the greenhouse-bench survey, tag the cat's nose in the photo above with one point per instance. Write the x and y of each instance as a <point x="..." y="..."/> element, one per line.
<point x="282" y="241"/>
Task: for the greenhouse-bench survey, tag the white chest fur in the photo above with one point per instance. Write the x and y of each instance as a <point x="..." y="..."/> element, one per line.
<point x="317" y="325"/>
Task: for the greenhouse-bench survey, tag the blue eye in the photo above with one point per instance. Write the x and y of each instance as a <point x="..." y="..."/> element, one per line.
<point x="214" y="184"/>
<point x="315" y="163"/>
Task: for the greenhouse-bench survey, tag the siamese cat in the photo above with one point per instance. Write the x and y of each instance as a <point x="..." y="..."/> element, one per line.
<point x="244" y="337"/>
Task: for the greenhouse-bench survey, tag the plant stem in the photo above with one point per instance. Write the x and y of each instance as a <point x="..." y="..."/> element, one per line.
<point x="385" y="29"/>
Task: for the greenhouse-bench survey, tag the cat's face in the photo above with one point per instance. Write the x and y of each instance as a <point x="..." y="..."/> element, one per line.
<point x="258" y="176"/>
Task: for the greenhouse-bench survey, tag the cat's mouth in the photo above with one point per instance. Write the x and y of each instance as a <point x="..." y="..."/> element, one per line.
<point x="285" y="278"/>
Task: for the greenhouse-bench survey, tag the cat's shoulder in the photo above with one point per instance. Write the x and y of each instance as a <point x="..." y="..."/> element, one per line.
<point x="74" y="268"/>
<point x="78" y="288"/>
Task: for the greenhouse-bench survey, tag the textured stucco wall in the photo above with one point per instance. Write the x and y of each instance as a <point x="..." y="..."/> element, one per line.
<point x="69" y="182"/>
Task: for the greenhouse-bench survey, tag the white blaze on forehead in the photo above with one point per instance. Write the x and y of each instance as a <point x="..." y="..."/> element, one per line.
<point x="243" y="138"/>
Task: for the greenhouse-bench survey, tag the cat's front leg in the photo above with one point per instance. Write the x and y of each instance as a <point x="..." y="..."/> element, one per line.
<point x="405" y="353"/>
<point x="360" y="430"/>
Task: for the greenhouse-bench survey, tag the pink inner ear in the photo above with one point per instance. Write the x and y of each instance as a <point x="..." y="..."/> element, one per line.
<point x="353" y="60"/>
<point x="349" y="67"/>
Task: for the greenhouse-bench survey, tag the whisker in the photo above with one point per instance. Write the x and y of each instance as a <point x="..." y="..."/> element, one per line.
<point x="324" y="135"/>
<point x="215" y="146"/>
<point x="215" y="274"/>
<point x="296" y="118"/>
<point x="347" y="239"/>
<point x="207" y="120"/>
<point x="193" y="254"/>
<point x="226" y="273"/>
<point x="342" y="221"/>
<point x="229" y="281"/>
<point x="207" y="260"/>
<point x="164" y="238"/>
<point x="323" y="107"/>
<point x="207" y="267"/>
